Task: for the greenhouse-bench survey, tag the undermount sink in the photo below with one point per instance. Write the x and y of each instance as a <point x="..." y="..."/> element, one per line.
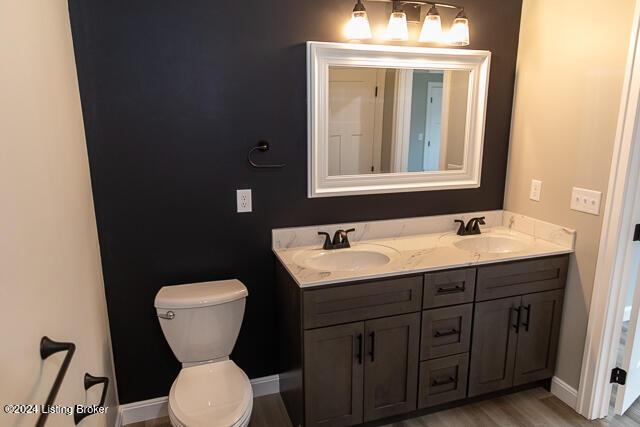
<point x="491" y="244"/>
<point x="351" y="259"/>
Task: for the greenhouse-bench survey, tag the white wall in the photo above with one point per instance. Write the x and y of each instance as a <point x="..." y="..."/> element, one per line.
<point x="571" y="64"/>
<point x="50" y="274"/>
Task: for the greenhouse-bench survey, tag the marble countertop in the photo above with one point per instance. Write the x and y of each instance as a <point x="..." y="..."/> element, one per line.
<point x="416" y="254"/>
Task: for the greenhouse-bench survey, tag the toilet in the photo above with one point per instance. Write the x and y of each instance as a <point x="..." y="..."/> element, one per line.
<point x="201" y="322"/>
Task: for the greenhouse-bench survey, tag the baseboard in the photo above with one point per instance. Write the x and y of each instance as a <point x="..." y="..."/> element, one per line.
<point x="564" y="392"/>
<point x="142" y="411"/>
<point x="157" y="408"/>
<point x="266" y="385"/>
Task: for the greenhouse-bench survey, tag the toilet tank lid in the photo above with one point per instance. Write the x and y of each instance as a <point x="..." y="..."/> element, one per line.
<point x="200" y="294"/>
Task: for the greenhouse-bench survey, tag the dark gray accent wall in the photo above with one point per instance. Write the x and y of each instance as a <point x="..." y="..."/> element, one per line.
<point x="174" y="93"/>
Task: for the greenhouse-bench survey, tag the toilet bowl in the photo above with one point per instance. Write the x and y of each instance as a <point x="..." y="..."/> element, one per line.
<point x="212" y="394"/>
<point x="201" y="322"/>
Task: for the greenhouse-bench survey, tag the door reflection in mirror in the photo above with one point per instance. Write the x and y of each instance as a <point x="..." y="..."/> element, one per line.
<point x="395" y="120"/>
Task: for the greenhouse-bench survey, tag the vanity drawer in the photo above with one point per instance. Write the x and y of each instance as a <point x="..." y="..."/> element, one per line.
<point x="521" y="277"/>
<point x="446" y="331"/>
<point x="361" y="301"/>
<point x="449" y="287"/>
<point x="443" y="380"/>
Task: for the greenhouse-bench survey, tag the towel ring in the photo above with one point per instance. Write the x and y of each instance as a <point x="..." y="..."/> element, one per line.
<point x="261" y="146"/>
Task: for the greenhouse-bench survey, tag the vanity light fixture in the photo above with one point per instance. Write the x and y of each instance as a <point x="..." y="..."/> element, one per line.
<point x="358" y="27"/>
<point x="397" y="28"/>
<point x="459" y="33"/>
<point x="432" y="27"/>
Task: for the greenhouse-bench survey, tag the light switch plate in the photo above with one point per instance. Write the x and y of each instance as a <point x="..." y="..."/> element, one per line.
<point x="244" y="200"/>
<point x="587" y="201"/>
<point x="536" y="190"/>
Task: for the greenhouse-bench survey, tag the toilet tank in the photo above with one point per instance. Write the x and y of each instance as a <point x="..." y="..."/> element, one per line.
<point x="201" y="321"/>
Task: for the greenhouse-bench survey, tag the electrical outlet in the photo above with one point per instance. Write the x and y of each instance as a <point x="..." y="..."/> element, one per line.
<point x="536" y="190"/>
<point x="244" y="200"/>
<point x="587" y="201"/>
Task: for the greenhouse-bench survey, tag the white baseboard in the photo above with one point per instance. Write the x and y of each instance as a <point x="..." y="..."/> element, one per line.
<point x="266" y="385"/>
<point x="142" y="411"/>
<point x="157" y="408"/>
<point x="564" y="392"/>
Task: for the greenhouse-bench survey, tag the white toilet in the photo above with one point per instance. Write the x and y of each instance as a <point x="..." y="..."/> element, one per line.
<point x="201" y="322"/>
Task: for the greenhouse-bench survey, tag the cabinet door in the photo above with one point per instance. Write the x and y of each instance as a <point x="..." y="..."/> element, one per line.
<point x="493" y="348"/>
<point x="538" y="336"/>
<point x="333" y="375"/>
<point x="392" y="346"/>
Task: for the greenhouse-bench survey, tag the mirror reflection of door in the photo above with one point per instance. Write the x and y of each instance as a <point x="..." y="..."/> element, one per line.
<point x="396" y="120"/>
<point x="433" y="128"/>
<point x="354" y="110"/>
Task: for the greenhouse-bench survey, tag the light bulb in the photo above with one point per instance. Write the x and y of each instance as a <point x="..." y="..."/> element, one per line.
<point x="432" y="27"/>
<point x="397" y="28"/>
<point x="459" y="33"/>
<point x="358" y="26"/>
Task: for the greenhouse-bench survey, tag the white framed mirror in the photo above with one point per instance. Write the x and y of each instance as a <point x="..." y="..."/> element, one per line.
<point x="386" y="119"/>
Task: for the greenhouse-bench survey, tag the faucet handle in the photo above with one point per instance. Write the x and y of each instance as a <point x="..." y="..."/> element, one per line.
<point x="461" y="229"/>
<point x="473" y="227"/>
<point x="345" y="236"/>
<point x="327" y="239"/>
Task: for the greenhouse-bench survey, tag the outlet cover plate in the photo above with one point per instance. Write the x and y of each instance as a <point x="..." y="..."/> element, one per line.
<point x="587" y="201"/>
<point x="536" y="190"/>
<point x="243" y="199"/>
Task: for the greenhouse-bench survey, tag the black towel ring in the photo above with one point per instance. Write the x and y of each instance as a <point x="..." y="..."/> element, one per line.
<point x="261" y="146"/>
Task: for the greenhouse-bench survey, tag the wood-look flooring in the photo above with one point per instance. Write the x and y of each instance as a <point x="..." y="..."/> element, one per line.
<point x="531" y="408"/>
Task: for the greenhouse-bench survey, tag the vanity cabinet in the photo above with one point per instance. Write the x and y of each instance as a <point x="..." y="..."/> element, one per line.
<point x="361" y="371"/>
<point x="364" y="351"/>
<point x="515" y="339"/>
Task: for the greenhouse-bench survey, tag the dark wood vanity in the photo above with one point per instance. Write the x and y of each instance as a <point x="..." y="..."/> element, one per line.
<point x="359" y="352"/>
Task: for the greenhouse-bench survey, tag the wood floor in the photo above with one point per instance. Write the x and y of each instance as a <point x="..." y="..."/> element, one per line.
<point x="531" y="408"/>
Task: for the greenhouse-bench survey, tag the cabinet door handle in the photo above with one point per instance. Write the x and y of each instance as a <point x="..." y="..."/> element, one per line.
<point x="439" y="334"/>
<point x="372" y="353"/>
<point x="454" y="290"/>
<point x="450" y="380"/>
<point x="359" y="355"/>
<point x="526" y="322"/>
<point x="517" y="324"/>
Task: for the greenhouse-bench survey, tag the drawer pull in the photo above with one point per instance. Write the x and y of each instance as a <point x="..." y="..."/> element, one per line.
<point x="450" y="380"/>
<point x="454" y="290"/>
<point x="439" y="334"/>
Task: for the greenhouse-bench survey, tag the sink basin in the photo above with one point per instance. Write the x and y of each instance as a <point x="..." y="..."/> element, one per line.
<point x="491" y="244"/>
<point x="355" y="258"/>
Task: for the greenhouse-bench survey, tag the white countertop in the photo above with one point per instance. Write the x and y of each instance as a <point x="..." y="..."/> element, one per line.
<point x="415" y="254"/>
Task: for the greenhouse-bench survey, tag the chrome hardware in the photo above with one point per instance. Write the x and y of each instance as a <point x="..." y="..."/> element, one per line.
<point x="169" y="315"/>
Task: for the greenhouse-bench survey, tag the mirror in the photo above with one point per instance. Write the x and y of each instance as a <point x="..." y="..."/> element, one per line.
<point x="387" y="120"/>
<point x="394" y="118"/>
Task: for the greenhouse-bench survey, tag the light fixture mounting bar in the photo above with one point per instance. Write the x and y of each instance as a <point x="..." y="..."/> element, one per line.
<point x="420" y="3"/>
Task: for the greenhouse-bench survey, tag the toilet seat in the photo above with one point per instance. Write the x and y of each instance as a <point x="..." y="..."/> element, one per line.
<point x="214" y="394"/>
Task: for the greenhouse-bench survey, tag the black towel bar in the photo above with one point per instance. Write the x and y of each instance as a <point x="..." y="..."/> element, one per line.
<point x="90" y="381"/>
<point x="47" y="348"/>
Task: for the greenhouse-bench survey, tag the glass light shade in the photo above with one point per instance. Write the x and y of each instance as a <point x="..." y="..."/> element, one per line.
<point x="397" y="28"/>
<point x="459" y="33"/>
<point x="358" y="26"/>
<point x="431" y="30"/>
